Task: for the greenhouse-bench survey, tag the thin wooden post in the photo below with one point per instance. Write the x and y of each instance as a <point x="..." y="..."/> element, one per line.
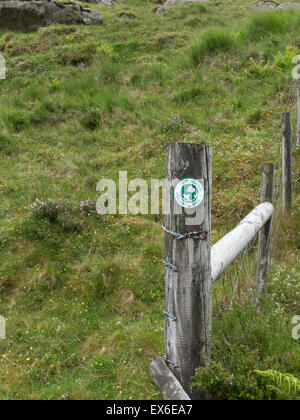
<point x="298" y="114"/>
<point x="286" y="164"/>
<point x="188" y="286"/>
<point x="264" y="241"/>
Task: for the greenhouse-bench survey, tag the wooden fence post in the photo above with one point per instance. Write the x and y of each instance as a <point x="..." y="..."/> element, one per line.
<point x="188" y="286"/>
<point x="286" y="164"/>
<point x="264" y="242"/>
<point x="298" y="114"/>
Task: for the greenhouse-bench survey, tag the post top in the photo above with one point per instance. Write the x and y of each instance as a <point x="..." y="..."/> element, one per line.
<point x="188" y="144"/>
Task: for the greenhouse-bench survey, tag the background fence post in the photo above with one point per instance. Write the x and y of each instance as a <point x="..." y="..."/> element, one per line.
<point x="188" y="289"/>
<point x="298" y="114"/>
<point x="286" y="163"/>
<point x="264" y="241"/>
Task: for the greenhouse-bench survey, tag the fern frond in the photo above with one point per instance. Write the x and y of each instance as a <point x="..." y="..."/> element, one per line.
<point x="280" y="383"/>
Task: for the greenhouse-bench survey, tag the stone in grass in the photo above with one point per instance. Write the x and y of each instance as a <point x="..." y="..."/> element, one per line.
<point x="127" y="15"/>
<point x="175" y="2"/>
<point x="106" y="2"/>
<point x="162" y="10"/>
<point x="289" y="6"/>
<point x="91" y="17"/>
<point x="264" y="5"/>
<point x="30" y="15"/>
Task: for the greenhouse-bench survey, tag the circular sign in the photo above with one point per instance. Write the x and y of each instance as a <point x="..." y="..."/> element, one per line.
<point x="189" y="193"/>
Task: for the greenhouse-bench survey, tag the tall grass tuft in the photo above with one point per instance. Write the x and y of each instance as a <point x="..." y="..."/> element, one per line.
<point x="264" y="24"/>
<point x="212" y="43"/>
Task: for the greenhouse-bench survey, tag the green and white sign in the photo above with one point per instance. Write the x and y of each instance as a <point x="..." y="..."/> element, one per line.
<point x="189" y="193"/>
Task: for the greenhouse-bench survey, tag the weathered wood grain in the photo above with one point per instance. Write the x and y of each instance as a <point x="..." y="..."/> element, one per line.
<point x="233" y="243"/>
<point x="286" y="164"/>
<point x="167" y="384"/>
<point x="264" y="241"/>
<point x="187" y="339"/>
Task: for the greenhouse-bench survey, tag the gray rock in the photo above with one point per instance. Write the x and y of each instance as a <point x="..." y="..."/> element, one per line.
<point x="175" y="2"/>
<point x="162" y="10"/>
<point x="106" y="2"/>
<point x="91" y="17"/>
<point x="126" y="15"/>
<point x="30" y="15"/>
<point x="288" y="6"/>
<point x="264" y="5"/>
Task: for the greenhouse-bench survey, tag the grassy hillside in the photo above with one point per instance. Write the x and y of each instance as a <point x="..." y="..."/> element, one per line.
<point x="83" y="294"/>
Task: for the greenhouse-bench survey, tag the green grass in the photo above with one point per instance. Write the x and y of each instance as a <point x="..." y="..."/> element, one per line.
<point x="83" y="297"/>
<point x="265" y="24"/>
<point x="213" y="42"/>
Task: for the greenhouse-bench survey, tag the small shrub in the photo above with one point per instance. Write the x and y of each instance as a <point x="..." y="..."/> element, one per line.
<point x="68" y="222"/>
<point x="4" y="41"/>
<point x="87" y="207"/>
<point x="53" y="85"/>
<point x="244" y="342"/>
<point x="257" y="69"/>
<point x="59" y="212"/>
<point x="166" y="40"/>
<point x="212" y="43"/>
<point x="222" y="384"/>
<point x="47" y="209"/>
<point x="70" y="38"/>
<point x="284" y="60"/>
<point x="77" y="54"/>
<point x="107" y="51"/>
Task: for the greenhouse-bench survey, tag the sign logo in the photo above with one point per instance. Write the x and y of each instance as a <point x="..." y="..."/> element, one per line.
<point x="189" y="193"/>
